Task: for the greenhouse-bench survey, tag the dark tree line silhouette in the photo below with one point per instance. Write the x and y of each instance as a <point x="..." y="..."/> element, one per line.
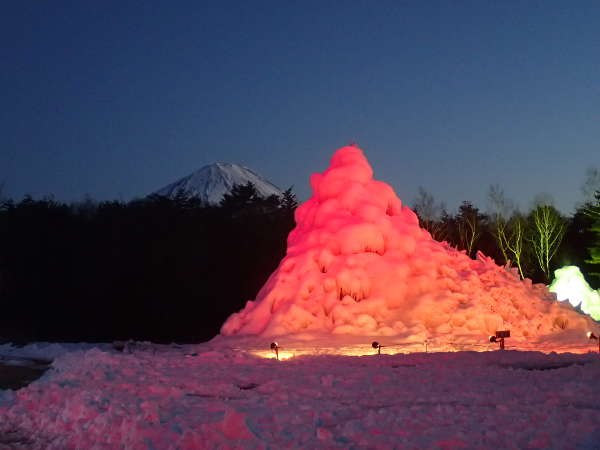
<point x="173" y="269"/>
<point x="536" y="242"/>
<point x="592" y="214"/>
<point x="155" y="269"/>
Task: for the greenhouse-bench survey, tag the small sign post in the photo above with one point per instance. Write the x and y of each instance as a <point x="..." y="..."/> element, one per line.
<point x="499" y="337"/>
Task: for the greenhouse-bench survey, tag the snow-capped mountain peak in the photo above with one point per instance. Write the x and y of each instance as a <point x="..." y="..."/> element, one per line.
<point x="212" y="181"/>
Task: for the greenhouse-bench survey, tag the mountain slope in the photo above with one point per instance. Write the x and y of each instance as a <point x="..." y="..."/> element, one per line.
<point x="213" y="181"/>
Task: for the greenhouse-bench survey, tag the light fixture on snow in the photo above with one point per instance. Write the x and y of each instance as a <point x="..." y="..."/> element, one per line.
<point x="499" y="337"/>
<point x="378" y="346"/>
<point x="591" y="336"/>
<point x="275" y="348"/>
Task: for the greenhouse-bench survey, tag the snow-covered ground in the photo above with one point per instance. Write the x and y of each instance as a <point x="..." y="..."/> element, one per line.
<point x="213" y="395"/>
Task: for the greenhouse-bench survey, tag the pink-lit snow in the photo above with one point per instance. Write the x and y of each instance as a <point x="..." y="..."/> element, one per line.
<point x="358" y="263"/>
<point x="160" y="397"/>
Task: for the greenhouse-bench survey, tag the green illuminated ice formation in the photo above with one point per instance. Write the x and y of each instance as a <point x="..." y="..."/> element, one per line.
<point x="569" y="284"/>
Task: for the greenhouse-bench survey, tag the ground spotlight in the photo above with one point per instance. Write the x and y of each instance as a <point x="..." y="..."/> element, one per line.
<point x="275" y="348"/>
<point x="378" y="346"/>
<point x="591" y="336"/>
<point x="499" y="337"/>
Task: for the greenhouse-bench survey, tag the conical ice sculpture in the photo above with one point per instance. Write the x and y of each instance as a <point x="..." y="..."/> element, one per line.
<point x="358" y="263"/>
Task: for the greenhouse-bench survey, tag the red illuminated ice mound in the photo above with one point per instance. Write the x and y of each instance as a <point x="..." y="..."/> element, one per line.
<point x="358" y="263"/>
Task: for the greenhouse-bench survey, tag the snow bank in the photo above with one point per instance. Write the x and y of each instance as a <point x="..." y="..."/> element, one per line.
<point x="44" y="350"/>
<point x="358" y="263"/>
<point x="220" y="398"/>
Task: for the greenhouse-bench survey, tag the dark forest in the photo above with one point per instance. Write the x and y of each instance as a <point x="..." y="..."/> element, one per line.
<point x="173" y="269"/>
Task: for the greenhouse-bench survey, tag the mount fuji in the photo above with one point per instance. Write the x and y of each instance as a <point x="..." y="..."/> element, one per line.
<point x="213" y="181"/>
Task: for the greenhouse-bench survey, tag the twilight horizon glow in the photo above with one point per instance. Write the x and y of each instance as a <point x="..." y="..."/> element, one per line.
<point x="119" y="99"/>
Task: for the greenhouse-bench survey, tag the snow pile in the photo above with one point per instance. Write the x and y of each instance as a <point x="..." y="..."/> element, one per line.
<point x="220" y="399"/>
<point x="569" y="284"/>
<point x="358" y="263"/>
<point x="211" y="182"/>
<point x="44" y="350"/>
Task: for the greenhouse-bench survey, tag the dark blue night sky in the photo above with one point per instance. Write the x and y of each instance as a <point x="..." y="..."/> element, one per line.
<point x="117" y="98"/>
